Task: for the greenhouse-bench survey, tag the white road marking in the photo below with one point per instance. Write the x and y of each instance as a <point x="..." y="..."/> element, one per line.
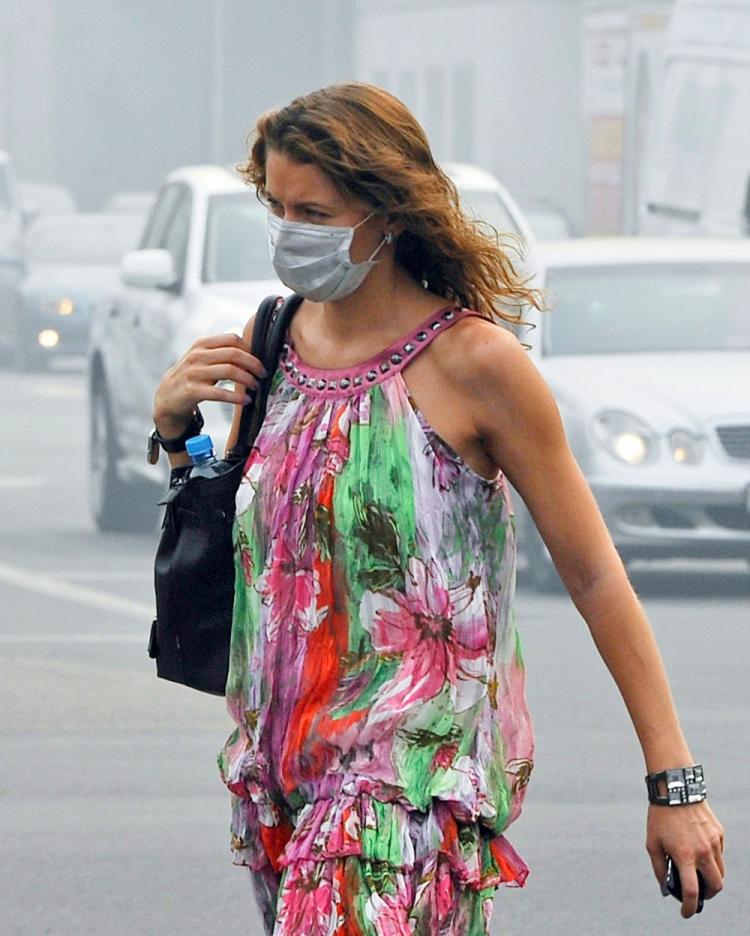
<point x="116" y="575"/>
<point x="58" y="390"/>
<point x="22" y="481"/>
<point x="73" y="638"/>
<point x="78" y="594"/>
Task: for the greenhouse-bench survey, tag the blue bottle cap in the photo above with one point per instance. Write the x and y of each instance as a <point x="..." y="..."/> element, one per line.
<point x="199" y="446"/>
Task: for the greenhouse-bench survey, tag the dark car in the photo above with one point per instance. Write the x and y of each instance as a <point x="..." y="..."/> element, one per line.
<point x="71" y="265"/>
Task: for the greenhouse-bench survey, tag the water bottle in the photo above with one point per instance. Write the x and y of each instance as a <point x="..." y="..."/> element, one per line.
<point x="205" y="463"/>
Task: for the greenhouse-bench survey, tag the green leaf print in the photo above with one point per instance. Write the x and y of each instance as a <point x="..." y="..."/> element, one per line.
<point x="423" y="737"/>
<point x="323" y="532"/>
<point x="376" y="528"/>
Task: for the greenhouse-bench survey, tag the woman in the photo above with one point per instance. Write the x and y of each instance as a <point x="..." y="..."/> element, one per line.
<point x="383" y="743"/>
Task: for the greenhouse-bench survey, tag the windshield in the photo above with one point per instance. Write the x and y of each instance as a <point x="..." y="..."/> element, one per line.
<point x="637" y="308"/>
<point x="486" y="206"/>
<point x="236" y="240"/>
<point x="83" y="240"/>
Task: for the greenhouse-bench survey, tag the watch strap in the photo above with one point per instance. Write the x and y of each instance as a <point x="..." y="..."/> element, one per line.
<point x="175" y="445"/>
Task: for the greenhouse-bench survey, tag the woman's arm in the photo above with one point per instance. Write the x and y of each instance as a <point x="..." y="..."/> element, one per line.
<point x="519" y="424"/>
<point x="194" y="378"/>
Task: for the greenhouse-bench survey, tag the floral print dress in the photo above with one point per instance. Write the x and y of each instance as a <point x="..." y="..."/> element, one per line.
<point x="383" y="743"/>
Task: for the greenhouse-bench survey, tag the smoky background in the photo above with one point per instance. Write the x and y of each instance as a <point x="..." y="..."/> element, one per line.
<point x="112" y="816"/>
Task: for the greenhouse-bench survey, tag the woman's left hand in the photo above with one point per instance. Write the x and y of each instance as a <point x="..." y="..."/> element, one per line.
<point x="694" y="838"/>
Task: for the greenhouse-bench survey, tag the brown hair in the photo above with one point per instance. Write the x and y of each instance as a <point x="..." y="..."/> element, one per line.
<point x="371" y="146"/>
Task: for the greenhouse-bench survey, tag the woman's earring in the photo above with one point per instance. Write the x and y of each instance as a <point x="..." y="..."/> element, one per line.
<point x="389" y="237"/>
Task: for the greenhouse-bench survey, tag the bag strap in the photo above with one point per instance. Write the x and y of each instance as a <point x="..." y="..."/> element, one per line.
<point x="269" y="330"/>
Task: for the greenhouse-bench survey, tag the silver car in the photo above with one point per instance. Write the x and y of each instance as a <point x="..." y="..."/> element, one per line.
<point x="647" y="352"/>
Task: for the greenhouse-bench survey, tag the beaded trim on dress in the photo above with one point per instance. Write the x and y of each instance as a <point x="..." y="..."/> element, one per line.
<point x="328" y="382"/>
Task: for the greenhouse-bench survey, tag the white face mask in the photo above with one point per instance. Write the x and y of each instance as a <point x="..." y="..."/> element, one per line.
<point x="314" y="260"/>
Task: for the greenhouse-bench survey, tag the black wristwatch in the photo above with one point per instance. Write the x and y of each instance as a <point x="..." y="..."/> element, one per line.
<point x="683" y="785"/>
<point x="173" y="446"/>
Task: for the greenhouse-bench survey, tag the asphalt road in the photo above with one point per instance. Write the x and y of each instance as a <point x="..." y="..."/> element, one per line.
<point x="112" y="817"/>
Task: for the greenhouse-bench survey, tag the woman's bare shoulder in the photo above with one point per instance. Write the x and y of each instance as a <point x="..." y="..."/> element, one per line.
<point x="498" y="382"/>
<point x="476" y="348"/>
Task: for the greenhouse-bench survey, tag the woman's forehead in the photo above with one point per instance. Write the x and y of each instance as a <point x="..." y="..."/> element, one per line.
<point x="289" y="180"/>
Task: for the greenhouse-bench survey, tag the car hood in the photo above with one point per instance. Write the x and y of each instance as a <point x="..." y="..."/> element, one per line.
<point x="72" y="279"/>
<point x="225" y="307"/>
<point x="667" y="389"/>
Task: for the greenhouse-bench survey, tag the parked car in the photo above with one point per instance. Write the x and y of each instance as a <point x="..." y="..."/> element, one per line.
<point x="70" y="266"/>
<point x="647" y="352"/>
<point x="38" y="198"/>
<point x="202" y="268"/>
<point x="137" y="202"/>
<point x="487" y="199"/>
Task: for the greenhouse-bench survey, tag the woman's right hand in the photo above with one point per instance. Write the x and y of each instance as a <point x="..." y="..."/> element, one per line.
<point x="195" y="376"/>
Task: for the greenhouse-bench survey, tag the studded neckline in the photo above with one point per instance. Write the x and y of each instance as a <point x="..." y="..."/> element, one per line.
<point x="320" y="381"/>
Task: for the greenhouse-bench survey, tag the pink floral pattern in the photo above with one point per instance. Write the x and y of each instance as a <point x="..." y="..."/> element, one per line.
<point x="382" y="742"/>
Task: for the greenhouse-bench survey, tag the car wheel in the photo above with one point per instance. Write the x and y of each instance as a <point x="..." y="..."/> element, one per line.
<point x="115" y="506"/>
<point x="540" y="572"/>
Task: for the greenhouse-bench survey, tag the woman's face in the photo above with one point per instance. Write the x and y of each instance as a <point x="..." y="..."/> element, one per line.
<point x="298" y="191"/>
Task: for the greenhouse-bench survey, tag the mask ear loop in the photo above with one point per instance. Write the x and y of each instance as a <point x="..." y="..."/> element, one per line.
<point x="387" y="239"/>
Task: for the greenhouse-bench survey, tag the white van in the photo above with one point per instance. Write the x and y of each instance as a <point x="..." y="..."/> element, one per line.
<point x="698" y="175"/>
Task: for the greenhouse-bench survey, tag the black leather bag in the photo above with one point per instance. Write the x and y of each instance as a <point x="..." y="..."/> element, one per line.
<point x="194" y="567"/>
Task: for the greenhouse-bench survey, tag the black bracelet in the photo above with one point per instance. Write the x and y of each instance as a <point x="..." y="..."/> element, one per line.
<point x="684" y="785"/>
<point x="173" y="446"/>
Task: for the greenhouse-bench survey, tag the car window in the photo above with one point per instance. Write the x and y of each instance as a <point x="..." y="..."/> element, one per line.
<point x="638" y="308"/>
<point x="486" y="205"/>
<point x="178" y="233"/>
<point x="236" y="247"/>
<point x="166" y="202"/>
<point x="91" y="240"/>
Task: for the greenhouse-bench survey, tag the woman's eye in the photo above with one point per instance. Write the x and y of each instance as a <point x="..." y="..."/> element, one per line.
<point x="312" y="213"/>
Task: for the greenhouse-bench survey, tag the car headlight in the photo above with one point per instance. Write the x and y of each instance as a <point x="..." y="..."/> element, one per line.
<point x="687" y="447"/>
<point x="626" y="437"/>
<point x="64" y="306"/>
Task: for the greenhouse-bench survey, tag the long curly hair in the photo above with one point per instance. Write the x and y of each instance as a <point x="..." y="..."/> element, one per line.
<point x="371" y="146"/>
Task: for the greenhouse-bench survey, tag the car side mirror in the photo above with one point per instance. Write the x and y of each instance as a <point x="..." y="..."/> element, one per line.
<point x="148" y="269"/>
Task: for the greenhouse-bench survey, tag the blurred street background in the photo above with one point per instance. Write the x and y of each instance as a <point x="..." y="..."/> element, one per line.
<point x="612" y="138"/>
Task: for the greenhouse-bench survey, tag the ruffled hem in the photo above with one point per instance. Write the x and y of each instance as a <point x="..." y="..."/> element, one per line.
<point x="376" y="832"/>
<point x="343" y="896"/>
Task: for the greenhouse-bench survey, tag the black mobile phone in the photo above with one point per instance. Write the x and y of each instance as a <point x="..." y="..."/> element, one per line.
<point x="672" y="884"/>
